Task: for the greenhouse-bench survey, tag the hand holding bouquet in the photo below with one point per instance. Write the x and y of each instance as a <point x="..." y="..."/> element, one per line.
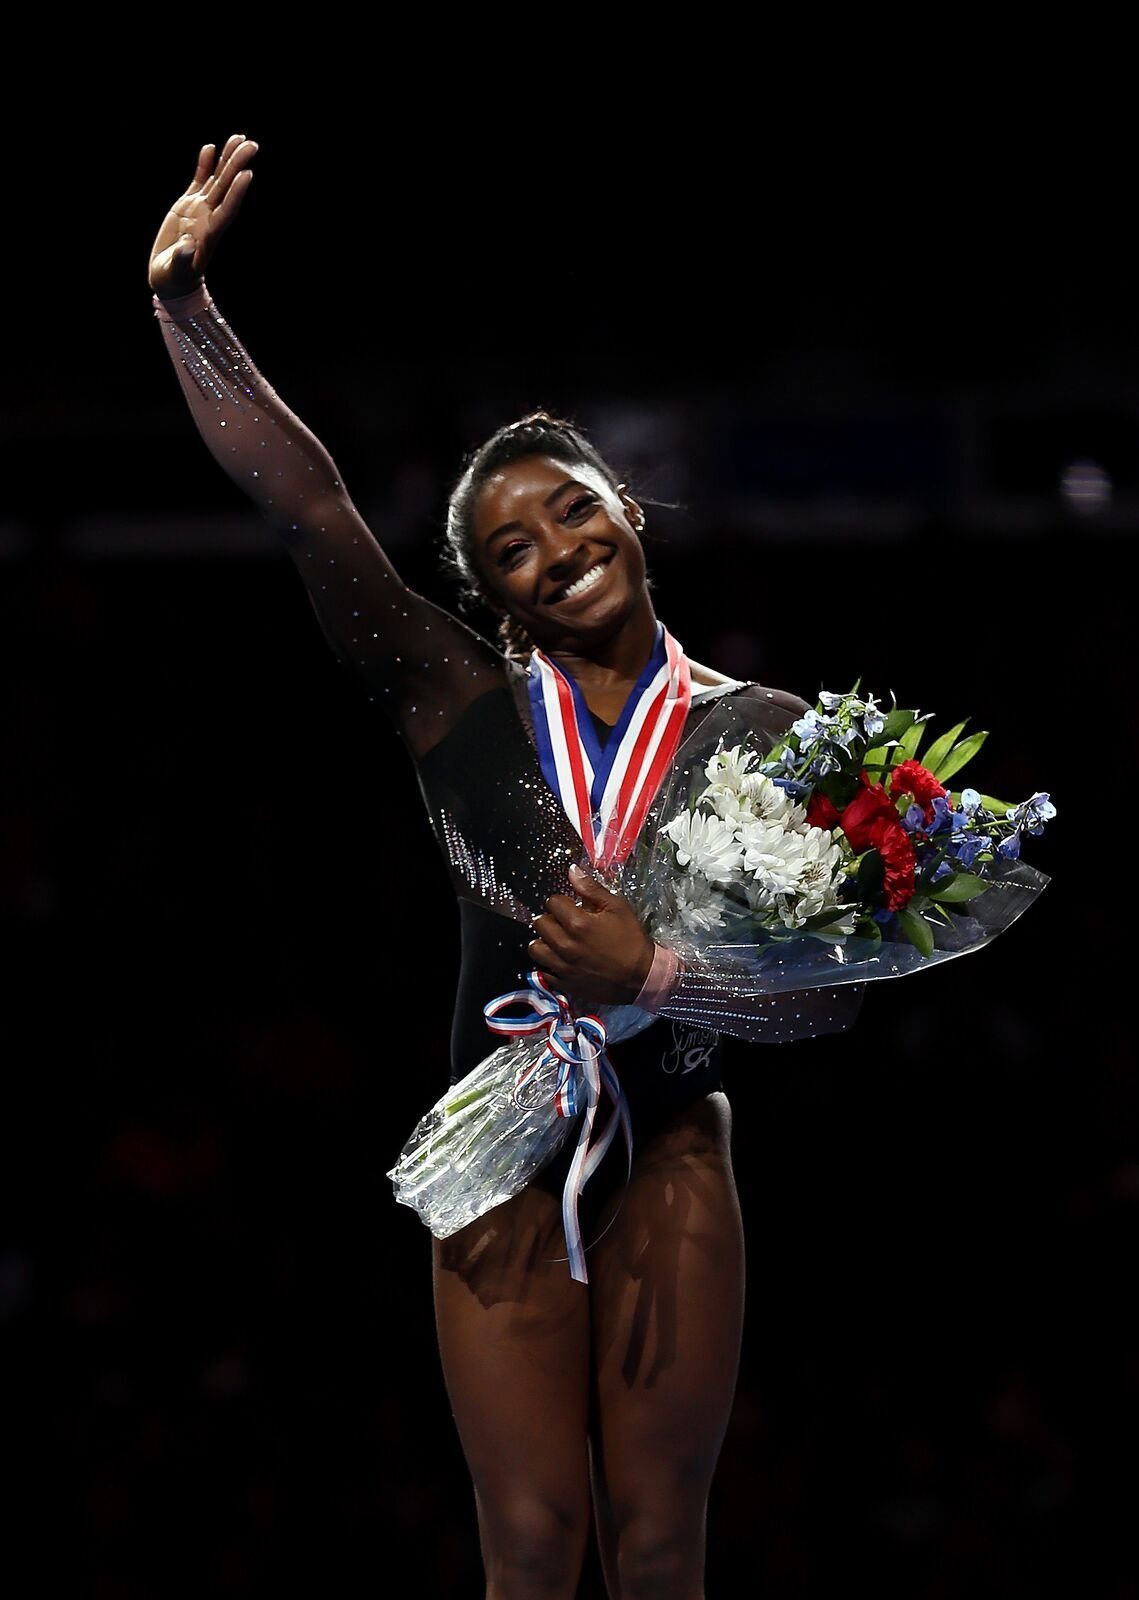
<point x="773" y="867"/>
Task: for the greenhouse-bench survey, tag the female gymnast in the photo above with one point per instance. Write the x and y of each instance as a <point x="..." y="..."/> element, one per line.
<point x="602" y="1402"/>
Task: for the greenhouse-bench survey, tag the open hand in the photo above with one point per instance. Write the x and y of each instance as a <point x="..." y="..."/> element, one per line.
<point x="198" y="218"/>
<point x="596" y="951"/>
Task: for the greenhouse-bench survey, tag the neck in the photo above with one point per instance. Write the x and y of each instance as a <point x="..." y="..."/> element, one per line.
<point x="614" y="662"/>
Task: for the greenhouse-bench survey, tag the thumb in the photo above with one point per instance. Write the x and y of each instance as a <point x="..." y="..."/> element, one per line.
<point x="592" y="891"/>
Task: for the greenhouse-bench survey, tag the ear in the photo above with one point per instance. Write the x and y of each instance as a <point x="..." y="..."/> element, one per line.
<point x="633" y="511"/>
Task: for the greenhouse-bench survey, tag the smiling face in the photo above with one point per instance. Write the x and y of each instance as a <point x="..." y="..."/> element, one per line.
<point x="555" y="546"/>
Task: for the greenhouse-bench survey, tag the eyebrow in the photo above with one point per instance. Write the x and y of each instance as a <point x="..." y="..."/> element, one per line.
<point x="512" y="527"/>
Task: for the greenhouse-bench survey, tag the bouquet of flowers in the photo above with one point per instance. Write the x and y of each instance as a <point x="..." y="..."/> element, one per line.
<point x="828" y="856"/>
<point x="837" y="847"/>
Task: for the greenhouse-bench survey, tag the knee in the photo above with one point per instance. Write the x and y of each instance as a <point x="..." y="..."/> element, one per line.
<point x="533" y="1551"/>
<point x="661" y="1559"/>
<point x="660" y="1535"/>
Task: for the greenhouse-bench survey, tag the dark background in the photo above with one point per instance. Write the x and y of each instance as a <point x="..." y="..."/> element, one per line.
<point x="849" y="399"/>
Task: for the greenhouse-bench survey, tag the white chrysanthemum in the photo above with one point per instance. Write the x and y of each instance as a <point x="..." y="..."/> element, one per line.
<point x="727" y="767"/>
<point x="705" y="844"/>
<point x="773" y="856"/>
<point x="727" y="773"/>
<point x="729" y="805"/>
<point x="762" y="900"/>
<point x="819" y="878"/>
<point x="698" y="905"/>
<point x="770" y="802"/>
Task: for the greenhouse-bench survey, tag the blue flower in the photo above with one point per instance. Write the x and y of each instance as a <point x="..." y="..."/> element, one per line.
<point x="829" y="700"/>
<point x="1034" y="813"/>
<point x="785" y="761"/>
<point x="807" y="727"/>
<point x="872" y="719"/>
<point x="797" y="791"/>
<point x="1009" y="849"/>
<point x="880" y="914"/>
<point x="967" y="847"/>
<point x="944" y="870"/>
<point x="970" y="800"/>
<point x="914" y="818"/>
<point x="943" y="813"/>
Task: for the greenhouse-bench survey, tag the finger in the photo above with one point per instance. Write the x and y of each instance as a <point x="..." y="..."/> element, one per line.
<point x="565" y="912"/>
<point x="237" y="153"/>
<point x="229" y="147"/>
<point x="225" y="213"/>
<point x="203" y="169"/>
<point x="592" y="891"/>
<point x="555" y="936"/>
<point x="545" y="959"/>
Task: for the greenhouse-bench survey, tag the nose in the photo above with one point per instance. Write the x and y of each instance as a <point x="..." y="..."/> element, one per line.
<point x="563" y="551"/>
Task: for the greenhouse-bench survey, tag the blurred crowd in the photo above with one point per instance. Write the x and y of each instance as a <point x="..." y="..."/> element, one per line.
<point x="220" y="899"/>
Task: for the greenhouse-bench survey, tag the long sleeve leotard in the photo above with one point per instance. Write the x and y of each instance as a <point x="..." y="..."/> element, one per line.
<point x="460" y="706"/>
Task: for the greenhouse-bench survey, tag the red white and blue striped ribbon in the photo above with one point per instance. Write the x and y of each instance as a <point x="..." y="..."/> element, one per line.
<point x="576" y="1045"/>
<point x="607" y="793"/>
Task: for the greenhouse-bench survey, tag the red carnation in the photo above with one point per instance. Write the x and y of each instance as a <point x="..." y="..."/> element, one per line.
<point x="895" y="846"/>
<point x="821" y="813"/>
<point x="910" y="777"/>
<point x="859" y="816"/>
<point x="871" y="822"/>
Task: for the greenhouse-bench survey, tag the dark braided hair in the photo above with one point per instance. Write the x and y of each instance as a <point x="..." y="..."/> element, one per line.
<point x="538" y="434"/>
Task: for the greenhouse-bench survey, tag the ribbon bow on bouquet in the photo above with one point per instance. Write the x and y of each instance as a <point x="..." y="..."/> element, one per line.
<point x="485" y="1139"/>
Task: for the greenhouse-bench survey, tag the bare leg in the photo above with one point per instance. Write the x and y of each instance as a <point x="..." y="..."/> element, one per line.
<point x="667" y="1286"/>
<point x="513" y="1332"/>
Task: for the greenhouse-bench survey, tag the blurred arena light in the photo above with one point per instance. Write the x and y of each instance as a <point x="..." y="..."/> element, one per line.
<point x="1085" y="486"/>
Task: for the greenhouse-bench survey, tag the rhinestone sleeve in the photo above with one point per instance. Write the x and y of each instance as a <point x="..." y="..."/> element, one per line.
<point x="715" y="994"/>
<point x="423" y="664"/>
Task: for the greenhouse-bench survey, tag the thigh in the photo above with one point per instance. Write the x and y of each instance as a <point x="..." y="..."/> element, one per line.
<point x="667" y="1282"/>
<point x="513" y="1332"/>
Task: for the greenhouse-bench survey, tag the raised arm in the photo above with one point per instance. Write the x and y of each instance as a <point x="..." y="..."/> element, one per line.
<point x="423" y="664"/>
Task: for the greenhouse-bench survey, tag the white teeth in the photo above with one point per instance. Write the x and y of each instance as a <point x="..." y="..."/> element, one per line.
<point x="586" y="581"/>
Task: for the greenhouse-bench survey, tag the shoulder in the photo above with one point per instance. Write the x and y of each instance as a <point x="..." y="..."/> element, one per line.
<point x="782" y="700"/>
<point x="777" y="702"/>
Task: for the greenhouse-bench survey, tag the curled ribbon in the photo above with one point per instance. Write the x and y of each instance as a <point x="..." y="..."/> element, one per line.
<point x="576" y="1047"/>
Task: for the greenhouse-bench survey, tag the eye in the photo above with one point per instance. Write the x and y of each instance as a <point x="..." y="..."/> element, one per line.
<point x="580" y="503"/>
<point x="511" y="554"/>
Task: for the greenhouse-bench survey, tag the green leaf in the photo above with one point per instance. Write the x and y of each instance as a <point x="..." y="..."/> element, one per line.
<point x="961" y="887"/>
<point x="871" y="874"/>
<point x="940" y="748"/>
<point x="965" y="751"/>
<point x="928" y="908"/>
<point x="917" y="930"/>
<point x="897" y="721"/>
<point x="911" y="739"/>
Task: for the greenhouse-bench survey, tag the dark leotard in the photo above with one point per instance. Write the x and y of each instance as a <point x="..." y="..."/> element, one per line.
<point x="667" y="1065"/>
<point x="463" y="713"/>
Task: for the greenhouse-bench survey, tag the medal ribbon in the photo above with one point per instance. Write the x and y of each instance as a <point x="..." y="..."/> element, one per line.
<point x="576" y="1045"/>
<point x="607" y="793"/>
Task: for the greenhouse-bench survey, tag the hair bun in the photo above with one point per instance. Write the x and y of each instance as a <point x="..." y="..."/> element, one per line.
<point x="537" y="419"/>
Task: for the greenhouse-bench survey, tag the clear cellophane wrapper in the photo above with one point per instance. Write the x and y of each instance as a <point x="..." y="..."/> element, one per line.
<point x="732" y="974"/>
<point x="478" y="1145"/>
<point x="485" y="1138"/>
